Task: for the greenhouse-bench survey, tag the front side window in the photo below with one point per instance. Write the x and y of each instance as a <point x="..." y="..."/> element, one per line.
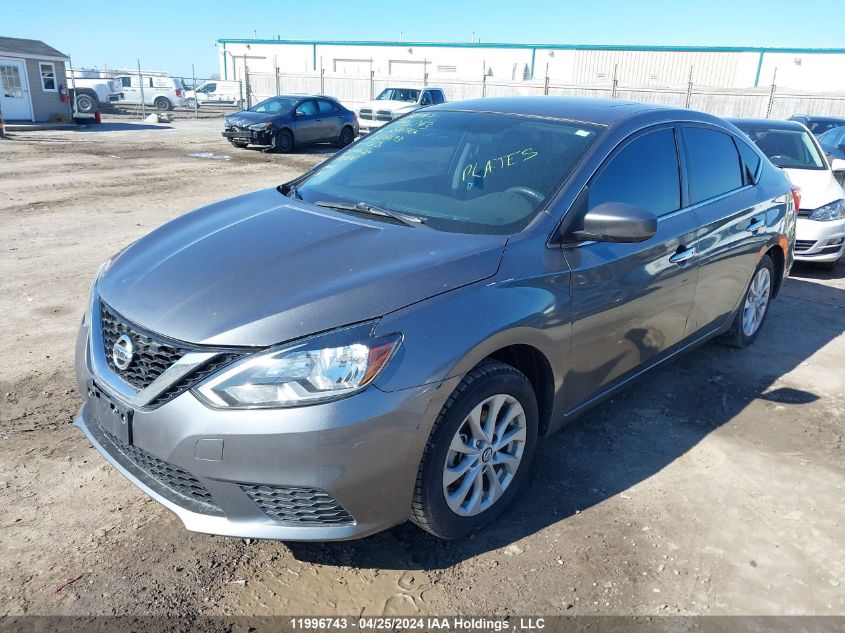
<point x="437" y="97"/>
<point x="643" y="173"/>
<point x="208" y="88"/>
<point x="126" y="82"/>
<point x="463" y="172"/>
<point x="713" y="165"/>
<point x="48" y="77"/>
<point x="790" y="149"/>
<point x="833" y="138"/>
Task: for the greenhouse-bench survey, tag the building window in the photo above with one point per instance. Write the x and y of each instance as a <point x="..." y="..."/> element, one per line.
<point x="48" y="77"/>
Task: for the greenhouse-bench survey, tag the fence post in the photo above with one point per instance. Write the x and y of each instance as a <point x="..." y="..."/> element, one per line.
<point x="546" y="81"/>
<point x="689" y="89"/>
<point x="772" y="94"/>
<point x="484" y="84"/>
<point x="247" y="86"/>
<point x="2" y="126"/>
<point x="425" y="72"/>
<point x="615" y="82"/>
<point x="372" y="80"/>
<point x="141" y="83"/>
<point x="322" y="77"/>
<point x="278" y="84"/>
<point x="241" y="88"/>
<point x="194" y="86"/>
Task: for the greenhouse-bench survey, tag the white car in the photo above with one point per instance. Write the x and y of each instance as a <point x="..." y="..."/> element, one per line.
<point x="163" y="93"/>
<point x="820" y="234"/>
<point x="216" y="91"/>
<point x="394" y="102"/>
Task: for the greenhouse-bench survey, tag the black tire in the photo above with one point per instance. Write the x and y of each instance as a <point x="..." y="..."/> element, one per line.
<point x="162" y="103"/>
<point x="830" y="266"/>
<point x="86" y="103"/>
<point x="736" y="336"/>
<point x="238" y="144"/>
<point x="192" y="103"/>
<point x="347" y="135"/>
<point x="283" y="141"/>
<point x="430" y="510"/>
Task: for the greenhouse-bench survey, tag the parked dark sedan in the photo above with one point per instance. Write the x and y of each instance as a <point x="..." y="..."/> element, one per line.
<point x="833" y="143"/>
<point x="391" y="335"/>
<point x="818" y="125"/>
<point x="286" y="121"/>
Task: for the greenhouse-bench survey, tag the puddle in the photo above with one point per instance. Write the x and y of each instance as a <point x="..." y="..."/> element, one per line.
<point x="209" y="156"/>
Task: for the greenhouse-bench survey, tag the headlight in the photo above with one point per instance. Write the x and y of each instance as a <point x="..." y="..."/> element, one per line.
<point x="833" y="211"/>
<point x="321" y="368"/>
<point x="261" y="126"/>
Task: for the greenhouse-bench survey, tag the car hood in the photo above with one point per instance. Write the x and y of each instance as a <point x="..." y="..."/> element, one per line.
<point x="393" y="106"/>
<point x="244" y="118"/>
<point x="261" y="269"/>
<point x="818" y="186"/>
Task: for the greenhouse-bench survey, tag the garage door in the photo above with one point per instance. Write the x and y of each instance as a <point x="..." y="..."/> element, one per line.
<point x="14" y="91"/>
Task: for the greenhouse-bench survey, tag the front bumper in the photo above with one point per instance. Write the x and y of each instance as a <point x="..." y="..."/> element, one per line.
<point x="817" y="241"/>
<point x="365" y="126"/>
<point x="252" y="137"/>
<point x="113" y="98"/>
<point x="271" y="474"/>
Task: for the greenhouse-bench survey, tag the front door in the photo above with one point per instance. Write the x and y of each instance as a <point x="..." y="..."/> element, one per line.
<point x="14" y="91"/>
<point x="630" y="302"/>
<point x="306" y="125"/>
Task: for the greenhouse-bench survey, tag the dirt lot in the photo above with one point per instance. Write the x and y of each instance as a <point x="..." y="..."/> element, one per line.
<point x="714" y="486"/>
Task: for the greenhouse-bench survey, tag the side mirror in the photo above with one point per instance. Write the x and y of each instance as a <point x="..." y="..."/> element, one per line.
<point x="297" y="113"/>
<point x="617" y="222"/>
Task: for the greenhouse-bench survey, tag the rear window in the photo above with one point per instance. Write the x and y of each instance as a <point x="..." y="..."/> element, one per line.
<point x="713" y="165"/>
<point x="750" y="160"/>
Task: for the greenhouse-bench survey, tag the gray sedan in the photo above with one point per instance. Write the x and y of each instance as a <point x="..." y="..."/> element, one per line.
<point x="392" y="334"/>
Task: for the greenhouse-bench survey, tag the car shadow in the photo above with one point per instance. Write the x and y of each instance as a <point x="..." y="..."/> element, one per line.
<point x="629" y="438"/>
<point x="301" y="150"/>
<point x="120" y="126"/>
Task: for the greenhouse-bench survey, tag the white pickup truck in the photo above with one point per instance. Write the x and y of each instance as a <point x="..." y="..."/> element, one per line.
<point x="91" y="91"/>
<point x="394" y="102"/>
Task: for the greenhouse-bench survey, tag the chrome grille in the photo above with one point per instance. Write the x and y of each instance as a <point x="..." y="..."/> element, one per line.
<point x="304" y="506"/>
<point x="173" y="477"/>
<point x="366" y="113"/>
<point x="384" y="115"/>
<point x="152" y="355"/>
<point x="804" y="245"/>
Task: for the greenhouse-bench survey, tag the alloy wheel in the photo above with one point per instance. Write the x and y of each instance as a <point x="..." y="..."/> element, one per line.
<point x="484" y="455"/>
<point x="756" y="302"/>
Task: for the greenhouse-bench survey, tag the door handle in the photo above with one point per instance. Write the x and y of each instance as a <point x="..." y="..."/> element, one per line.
<point x="682" y="255"/>
<point x="755" y="226"/>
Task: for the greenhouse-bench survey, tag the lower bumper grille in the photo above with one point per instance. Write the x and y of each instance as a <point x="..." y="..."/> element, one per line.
<point x="804" y="245"/>
<point x="168" y="475"/>
<point x="303" y="506"/>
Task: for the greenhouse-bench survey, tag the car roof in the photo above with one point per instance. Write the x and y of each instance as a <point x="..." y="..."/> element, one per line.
<point x="597" y="111"/>
<point x="819" y="119"/>
<point x="768" y="124"/>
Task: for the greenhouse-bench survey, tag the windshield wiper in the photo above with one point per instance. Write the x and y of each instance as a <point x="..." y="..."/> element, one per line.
<point x="368" y="209"/>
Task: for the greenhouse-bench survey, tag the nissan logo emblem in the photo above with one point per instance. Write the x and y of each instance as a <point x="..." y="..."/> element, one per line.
<point x="121" y="352"/>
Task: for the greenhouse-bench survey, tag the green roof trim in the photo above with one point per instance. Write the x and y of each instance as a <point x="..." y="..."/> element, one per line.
<point x="576" y="47"/>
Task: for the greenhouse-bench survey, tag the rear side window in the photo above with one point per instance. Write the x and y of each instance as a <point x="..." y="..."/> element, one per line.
<point x="644" y="173"/>
<point x="750" y="161"/>
<point x="437" y="97"/>
<point x="713" y="165"/>
<point x="326" y="107"/>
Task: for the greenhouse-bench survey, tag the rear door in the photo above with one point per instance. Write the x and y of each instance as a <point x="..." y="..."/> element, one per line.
<point x="330" y="120"/>
<point x="734" y="221"/>
<point x="630" y="302"/>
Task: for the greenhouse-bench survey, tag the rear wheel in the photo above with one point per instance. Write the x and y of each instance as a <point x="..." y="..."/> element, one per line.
<point x="479" y="452"/>
<point x="347" y="135"/>
<point x="283" y="141"/>
<point x="754" y="307"/>
<point x="162" y="103"/>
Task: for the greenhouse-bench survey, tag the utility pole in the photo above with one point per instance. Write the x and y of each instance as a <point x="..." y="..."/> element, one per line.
<point x="141" y="83"/>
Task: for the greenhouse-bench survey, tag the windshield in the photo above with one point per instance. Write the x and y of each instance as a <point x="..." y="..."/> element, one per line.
<point x="464" y="172"/>
<point x="790" y="149"/>
<point x="399" y="94"/>
<point x="274" y="105"/>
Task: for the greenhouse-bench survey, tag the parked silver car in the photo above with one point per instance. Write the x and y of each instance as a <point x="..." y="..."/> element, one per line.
<point x="390" y="335"/>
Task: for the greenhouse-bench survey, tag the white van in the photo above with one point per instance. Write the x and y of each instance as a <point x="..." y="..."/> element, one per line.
<point x="216" y="91"/>
<point x="163" y="93"/>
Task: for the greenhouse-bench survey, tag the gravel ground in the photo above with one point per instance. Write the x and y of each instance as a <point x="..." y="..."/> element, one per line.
<point x="713" y="486"/>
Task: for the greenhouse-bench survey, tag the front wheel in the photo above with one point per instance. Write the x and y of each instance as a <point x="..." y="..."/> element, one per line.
<point x="479" y="452"/>
<point x="283" y="141"/>
<point x="754" y="307"/>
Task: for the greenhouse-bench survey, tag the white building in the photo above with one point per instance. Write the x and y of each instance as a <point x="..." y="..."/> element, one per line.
<point x="801" y="69"/>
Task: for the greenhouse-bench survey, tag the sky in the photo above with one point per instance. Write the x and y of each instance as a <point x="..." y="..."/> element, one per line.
<point x="173" y="35"/>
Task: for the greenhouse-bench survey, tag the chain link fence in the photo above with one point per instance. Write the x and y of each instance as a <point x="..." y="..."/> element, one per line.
<point x="354" y="91"/>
